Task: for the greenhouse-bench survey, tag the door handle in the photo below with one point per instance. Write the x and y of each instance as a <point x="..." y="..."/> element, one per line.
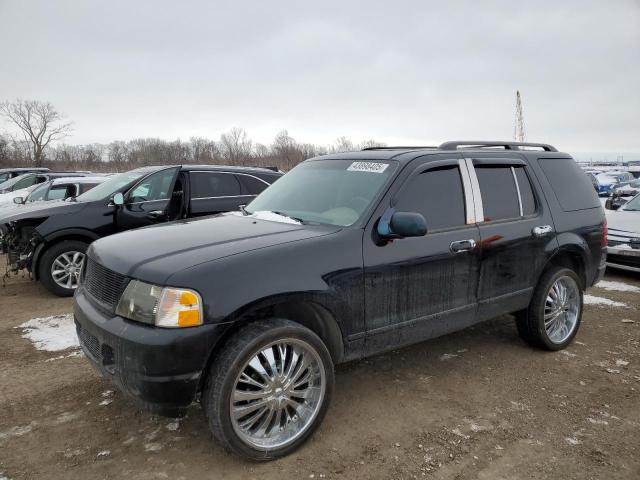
<point x="155" y="214"/>
<point x="542" y="230"/>
<point x="462" y="246"/>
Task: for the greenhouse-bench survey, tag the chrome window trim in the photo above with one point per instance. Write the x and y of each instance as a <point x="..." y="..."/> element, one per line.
<point x="475" y="188"/>
<point x="469" y="204"/>
<point x="515" y="179"/>
<point x="231" y="173"/>
<point x="223" y="196"/>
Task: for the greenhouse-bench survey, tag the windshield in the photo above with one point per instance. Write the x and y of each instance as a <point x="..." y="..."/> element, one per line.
<point x="632" y="205"/>
<point x="333" y="192"/>
<point x="111" y="186"/>
<point x="10" y="183"/>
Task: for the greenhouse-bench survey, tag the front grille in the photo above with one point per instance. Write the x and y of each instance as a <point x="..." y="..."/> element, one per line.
<point x="90" y="342"/>
<point x="103" y="284"/>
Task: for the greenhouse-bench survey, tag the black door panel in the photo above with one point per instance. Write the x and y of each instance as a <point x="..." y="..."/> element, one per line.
<point x="421" y="287"/>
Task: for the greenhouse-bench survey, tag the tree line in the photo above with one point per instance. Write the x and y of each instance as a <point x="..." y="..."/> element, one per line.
<point x="39" y="124"/>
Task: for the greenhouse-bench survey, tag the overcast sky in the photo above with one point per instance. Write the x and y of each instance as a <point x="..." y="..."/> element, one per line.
<point x="408" y="72"/>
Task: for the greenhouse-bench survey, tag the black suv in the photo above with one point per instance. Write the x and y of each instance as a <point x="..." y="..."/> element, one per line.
<point x="50" y="240"/>
<point x="347" y="255"/>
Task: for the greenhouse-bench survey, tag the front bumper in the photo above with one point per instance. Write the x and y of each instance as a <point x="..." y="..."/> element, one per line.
<point x="161" y="368"/>
<point x="624" y="258"/>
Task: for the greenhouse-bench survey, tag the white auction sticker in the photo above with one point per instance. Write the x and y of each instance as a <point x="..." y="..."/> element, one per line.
<point x="367" y="167"/>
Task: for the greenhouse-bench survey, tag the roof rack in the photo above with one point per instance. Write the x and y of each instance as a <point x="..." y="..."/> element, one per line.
<point x="401" y="148"/>
<point x="506" y="145"/>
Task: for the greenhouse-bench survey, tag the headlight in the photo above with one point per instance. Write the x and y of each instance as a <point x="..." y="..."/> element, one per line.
<point x="160" y="306"/>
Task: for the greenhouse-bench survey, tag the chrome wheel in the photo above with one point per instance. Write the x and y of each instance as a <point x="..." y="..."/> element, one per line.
<point x="66" y="269"/>
<point x="562" y="309"/>
<point x="278" y="394"/>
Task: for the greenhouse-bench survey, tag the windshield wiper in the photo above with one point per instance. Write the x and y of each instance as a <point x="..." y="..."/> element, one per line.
<point x="282" y="214"/>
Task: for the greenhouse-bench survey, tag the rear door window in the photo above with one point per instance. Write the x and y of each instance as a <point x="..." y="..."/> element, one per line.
<point x="438" y="195"/>
<point x="499" y="192"/>
<point x="570" y="185"/>
<point x="214" y="184"/>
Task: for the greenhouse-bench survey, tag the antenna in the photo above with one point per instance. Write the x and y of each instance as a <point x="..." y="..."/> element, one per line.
<point x="518" y="131"/>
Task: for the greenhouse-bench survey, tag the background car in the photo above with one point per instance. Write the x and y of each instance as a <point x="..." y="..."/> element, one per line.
<point x="9" y="173"/>
<point x="603" y="183"/>
<point x="60" y="189"/>
<point x="623" y="250"/>
<point x="622" y="194"/>
<point x="22" y="185"/>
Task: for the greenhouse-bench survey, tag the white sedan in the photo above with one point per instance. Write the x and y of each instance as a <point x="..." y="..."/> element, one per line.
<point x="623" y="250"/>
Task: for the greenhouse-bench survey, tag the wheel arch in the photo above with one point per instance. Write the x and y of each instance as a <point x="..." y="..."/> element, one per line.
<point x="308" y="313"/>
<point x="81" y="235"/>
<point x="572" y="257"/>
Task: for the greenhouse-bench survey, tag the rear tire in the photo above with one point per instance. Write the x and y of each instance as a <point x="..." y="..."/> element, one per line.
<point x="554" y="314"/>
<point x="292" y="383"/>
<point x="60" y="265"/>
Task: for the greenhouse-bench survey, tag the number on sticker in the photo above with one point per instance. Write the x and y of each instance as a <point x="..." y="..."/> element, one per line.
<point x="367" y="167"/>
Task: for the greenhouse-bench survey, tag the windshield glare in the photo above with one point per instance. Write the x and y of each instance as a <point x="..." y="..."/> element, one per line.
<point x="332" y="192"/>
<point x="111" y="186"/>
<point x="11" y="182"/>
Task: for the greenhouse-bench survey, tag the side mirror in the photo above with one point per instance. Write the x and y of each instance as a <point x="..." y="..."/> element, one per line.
<point x="401" y="225"/>
<point x="118" y="199"/>
<point x="18" y="200"/>
<point x="609" y="204"/>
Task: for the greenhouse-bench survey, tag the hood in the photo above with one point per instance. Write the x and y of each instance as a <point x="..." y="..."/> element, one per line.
<point x="38" y="210"/>
<point x="155" y="253"/>
<point x="623" y="221"/>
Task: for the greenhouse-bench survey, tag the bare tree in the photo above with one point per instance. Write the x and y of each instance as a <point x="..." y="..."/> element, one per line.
<point x="236" y="146"/>
<point x="39" y="122"/>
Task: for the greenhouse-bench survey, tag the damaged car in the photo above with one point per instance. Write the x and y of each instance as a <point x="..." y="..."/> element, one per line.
<point x="49" y="239"/>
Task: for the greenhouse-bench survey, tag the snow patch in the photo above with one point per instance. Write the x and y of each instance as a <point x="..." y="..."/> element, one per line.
<point x="593" y="300"/>
<point x="573" y="441"/>
<point x="173" y="425"/>
<point x="51" y="334"/>
<point x="617" y="286"/>
<point x="274" y="217"/>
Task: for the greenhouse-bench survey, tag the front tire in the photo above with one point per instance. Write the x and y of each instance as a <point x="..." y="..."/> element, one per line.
<point x="61" y="265"/>
<point x="268" y="389"/>
<point x="554" y="314"/>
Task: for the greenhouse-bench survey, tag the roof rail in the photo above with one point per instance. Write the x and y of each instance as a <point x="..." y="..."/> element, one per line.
<point x="506" y="145"/>
<point x="401" y="148"/>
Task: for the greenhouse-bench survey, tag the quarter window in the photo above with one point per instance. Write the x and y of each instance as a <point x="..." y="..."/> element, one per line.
<point x="438" y="195"/>
<point x="499" y="194"/>
<point x="211" y="184"/>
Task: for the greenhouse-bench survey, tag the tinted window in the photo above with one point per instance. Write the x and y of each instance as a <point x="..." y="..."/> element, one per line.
<point x="572" y="188"/>
<point x="153" y="187"/>
<point x="499" y="194"/>
<point x="4" y="177"/>
<point x="252" y="185"/>
<point x="526" y="192"/>
<point x="210" y="184"/>
<point x="437" y="195"/>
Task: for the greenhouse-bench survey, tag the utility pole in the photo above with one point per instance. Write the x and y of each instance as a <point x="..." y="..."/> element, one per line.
<point x="518" y="131"/>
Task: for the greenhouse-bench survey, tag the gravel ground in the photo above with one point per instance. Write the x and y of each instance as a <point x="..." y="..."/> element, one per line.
<point x="475" y="404"/>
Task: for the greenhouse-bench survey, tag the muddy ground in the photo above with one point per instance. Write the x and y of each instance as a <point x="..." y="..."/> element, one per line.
<point x="476" y="404"/>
